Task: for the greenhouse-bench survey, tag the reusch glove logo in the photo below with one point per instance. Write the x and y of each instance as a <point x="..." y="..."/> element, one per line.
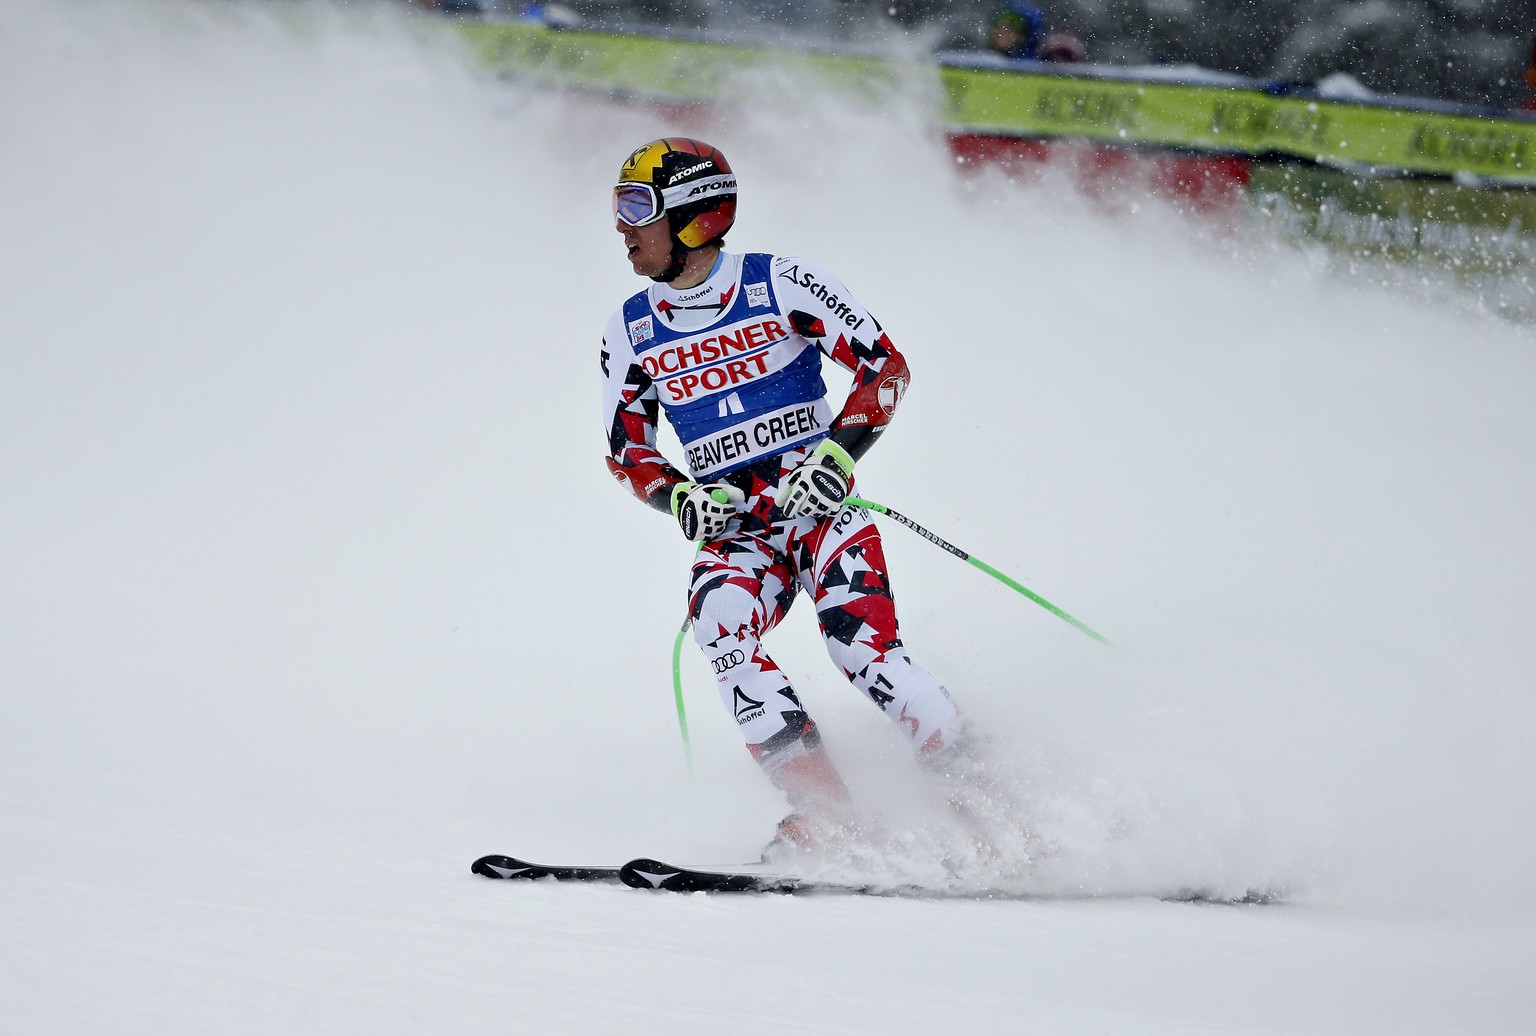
<point x="688" y="518"/>
<point x="828" y="484"/>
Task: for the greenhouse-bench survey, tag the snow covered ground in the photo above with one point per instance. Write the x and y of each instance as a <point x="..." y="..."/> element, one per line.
<point x="315" y="589"/>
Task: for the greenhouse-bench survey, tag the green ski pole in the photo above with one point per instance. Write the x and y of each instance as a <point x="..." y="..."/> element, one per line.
<point x="677" y="680"/>
<point x="677" y="691"/>
<point x="1006" y="580"/>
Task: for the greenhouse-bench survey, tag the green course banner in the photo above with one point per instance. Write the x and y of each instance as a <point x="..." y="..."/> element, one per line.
<point x="1340" y="134"/>
<point x="1076" y="103"/>
<point x="667" y="69"/>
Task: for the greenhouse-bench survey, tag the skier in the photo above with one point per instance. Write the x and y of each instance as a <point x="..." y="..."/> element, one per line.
<point x="730" y="346"/>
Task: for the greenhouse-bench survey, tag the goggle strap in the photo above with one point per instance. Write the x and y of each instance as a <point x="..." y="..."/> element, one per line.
<point x="683" y="193"/>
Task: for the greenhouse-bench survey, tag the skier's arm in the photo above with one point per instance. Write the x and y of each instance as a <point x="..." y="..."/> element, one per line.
<point x="820" y="308"/>
<point x="630" y="411"/>
<point x="877" y="390"/>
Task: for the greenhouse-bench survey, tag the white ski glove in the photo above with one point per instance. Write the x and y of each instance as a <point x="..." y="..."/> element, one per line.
<point x="704" y="510"/>
<point x="818" y="484"/>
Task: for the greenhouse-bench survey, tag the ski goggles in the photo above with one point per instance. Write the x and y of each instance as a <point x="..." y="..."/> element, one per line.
<point x="641" y="204"/>
<point x="637" y="204"/>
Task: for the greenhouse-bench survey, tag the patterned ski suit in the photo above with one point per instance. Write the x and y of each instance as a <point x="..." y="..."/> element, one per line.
<point x="735" y="363"/>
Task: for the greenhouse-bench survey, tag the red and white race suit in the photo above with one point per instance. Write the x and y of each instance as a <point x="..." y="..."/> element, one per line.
<point x="735" y="364"/>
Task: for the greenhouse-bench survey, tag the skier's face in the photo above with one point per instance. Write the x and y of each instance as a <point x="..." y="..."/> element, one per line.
<point x="650" y="247"/>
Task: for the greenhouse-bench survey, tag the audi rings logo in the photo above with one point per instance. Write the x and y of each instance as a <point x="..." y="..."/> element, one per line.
<point x="728" y="661"/>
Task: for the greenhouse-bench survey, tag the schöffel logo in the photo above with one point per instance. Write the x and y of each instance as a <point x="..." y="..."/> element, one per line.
<point x="746" y="709"/>
<point x="725" y="663"/>
<point x="827" y="297"/>
<point x="675" y="366"/>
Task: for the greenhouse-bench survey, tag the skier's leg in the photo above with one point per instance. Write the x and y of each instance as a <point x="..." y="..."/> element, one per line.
<point x="857" y="614"/>
<point x="848" y="582"/>
<point x="741" y="589"/>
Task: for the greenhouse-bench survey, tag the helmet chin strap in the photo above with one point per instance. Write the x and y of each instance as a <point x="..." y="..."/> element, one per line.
<point x="680" y="251"/>
<point x="679" y="260"/>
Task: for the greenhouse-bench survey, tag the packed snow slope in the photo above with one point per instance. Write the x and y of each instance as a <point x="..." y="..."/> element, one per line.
<point x="315" y="588"/>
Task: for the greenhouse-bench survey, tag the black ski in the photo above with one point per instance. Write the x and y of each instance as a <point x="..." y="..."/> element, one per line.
<point x="653" y="874"/>
<point x="497" y="866"/>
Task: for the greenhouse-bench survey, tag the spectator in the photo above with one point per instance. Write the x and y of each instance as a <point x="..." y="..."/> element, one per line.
<point x="1062" y="47"/>
<point x="1017" y="31"/>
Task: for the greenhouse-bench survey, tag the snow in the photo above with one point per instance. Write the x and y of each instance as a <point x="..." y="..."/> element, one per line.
<point x="315" y="588"/>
